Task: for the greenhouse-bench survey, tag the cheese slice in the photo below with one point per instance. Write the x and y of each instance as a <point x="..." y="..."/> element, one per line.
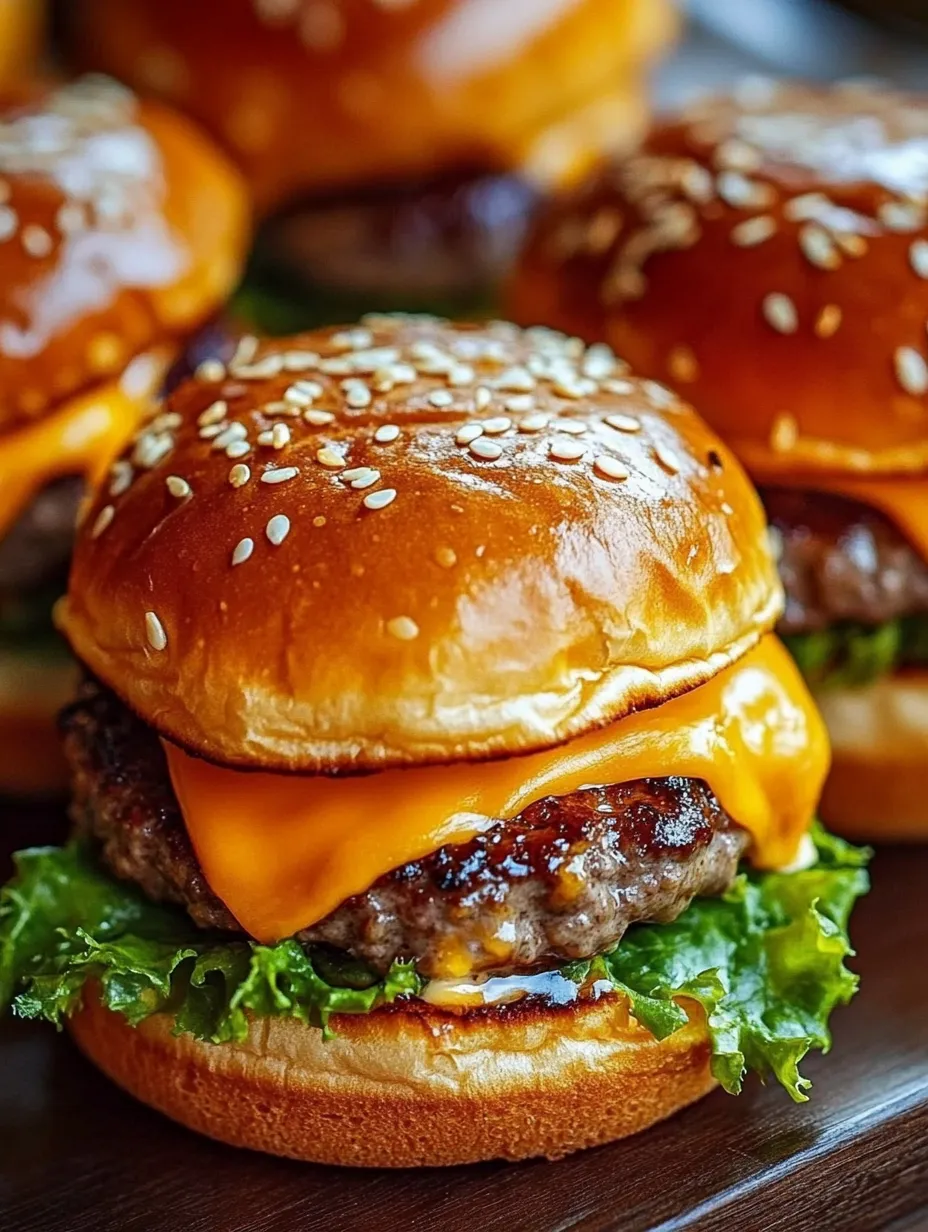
<point x="282" y="851"/>
<point x="81" y="437"/>
<point x="903" y="501"/>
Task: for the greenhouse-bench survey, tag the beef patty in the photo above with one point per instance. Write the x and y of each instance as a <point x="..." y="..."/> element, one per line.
<point x="841" y="560"/>
<point x="561" y="881"/>
<point x="37" y="547"/>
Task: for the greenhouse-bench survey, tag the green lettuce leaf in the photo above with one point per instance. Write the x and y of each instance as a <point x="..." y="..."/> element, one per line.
<point x="849" y="654"/>
<point x="766" y="962"/>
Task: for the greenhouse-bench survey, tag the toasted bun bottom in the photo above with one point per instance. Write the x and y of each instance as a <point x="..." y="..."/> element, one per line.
<point x="421" y="1087"/>
<point x="32" y="692"/>
<point x="878" y="786"/>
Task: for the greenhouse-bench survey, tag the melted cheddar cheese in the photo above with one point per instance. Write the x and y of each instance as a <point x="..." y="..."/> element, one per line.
<point x="81" y="437"/>
<point x="282" y="851"/>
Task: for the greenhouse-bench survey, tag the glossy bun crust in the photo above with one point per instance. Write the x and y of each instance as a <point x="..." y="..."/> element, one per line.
<point x="398" y="1089"/>
<point x="310" y="96"/>
<point x="481" y="542"/>
<point x="768" y="255"/>
<point x="121" y="226"/>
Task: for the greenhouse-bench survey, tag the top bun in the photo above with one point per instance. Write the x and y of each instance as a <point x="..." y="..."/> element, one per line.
<point x="311" y="95"/>
<point x="767" y="253"/>
<point x="120" y="227"/>
<point x="410" y="541"/>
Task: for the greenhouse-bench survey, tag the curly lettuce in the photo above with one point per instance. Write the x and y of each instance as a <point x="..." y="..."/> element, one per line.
<point x="848" y="654"/>
<point x="766" y="962"/>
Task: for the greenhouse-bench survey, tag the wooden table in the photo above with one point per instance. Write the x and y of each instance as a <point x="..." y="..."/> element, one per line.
<point x="76" y="1155"/>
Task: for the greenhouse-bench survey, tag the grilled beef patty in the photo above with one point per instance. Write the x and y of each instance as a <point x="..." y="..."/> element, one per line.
<point x="841" y="560"/>
<point x="561" y="881"/>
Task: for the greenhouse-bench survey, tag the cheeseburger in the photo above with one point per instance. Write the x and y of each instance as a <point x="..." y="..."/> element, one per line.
<point x="440" y="791"/>
<point x="767" y="253"/>
<point x="396" y="149"/>
<point x="121" y="229"/>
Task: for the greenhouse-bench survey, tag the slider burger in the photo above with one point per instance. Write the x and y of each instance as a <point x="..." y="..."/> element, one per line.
<point x="767" y="253"/>
<point x="440" y="792"/>
<point x="398" y="148"/>
<point x="121" y="229"/>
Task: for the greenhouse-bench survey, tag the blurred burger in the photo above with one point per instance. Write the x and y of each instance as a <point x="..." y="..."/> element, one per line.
<point x="398" y="147"/>
<point x="432" y="701"/>
<point x="768" y="254"/>
<point x="121" y="228"/>
<point x="22" y="28"/>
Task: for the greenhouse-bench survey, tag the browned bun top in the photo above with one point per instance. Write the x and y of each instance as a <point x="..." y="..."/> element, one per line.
<point x="767" y="253"/>
<point x="413" y="541"/>
<point x="120" y="226"/>
<point x="316" y="94"/>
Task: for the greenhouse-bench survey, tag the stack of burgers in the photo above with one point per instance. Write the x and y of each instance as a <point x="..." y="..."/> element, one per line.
<point x="440" y="789"/>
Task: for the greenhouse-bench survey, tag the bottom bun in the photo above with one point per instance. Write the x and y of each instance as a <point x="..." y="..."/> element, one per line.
<point x="878" y="786"/>
<point x="32" y="693"/>
<point x="411" y="1086"/>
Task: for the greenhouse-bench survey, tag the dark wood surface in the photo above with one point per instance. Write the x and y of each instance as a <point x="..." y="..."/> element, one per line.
<point x="76" y="1155"/>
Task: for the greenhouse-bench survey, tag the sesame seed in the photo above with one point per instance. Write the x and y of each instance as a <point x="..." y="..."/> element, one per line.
<point x="739" y="192"/>
<point x="805" y="206"/>
<point x="70" y="218"/>
<point x="318" y="419"/>
<point x="918" y="257"/>
<point x="9" y="222"/>
<point x="726" y="509"/>
<point x="667" y="459"/>
<point x="379" y="500"/>
<point x="239" y="475"/>
<point x="446" y="557"/>
<point x="573" y="387"/>
<point x="469" y="432"/>
<point x="784" y="434"/>
<point x="154" y="631"/>
<point x="623" y="423"/>
<point x="519" y="402"/>
<point x="215" y="413"/>
<point x="599" y="362"/>
<point x="515" y="380"/>
<point x="618" y="387"/>
<point x="238" y="449"/>
<point x="150" y="448"/>
<point x="754" y="231"/>
<point x="269" y="366"/>
<point x="485" y="449"/>
<point x="331" y="458"/>
<point x="818" y="247"/>
<point x="280" y="474"/>
<point x="211" y="431"/>
<point x="386" y="433"/>
<point x="211" y="370"/>
<point x="242" y="550"/>
<point x="121" y="473"/>
<point x="482" y="398"/>
<point x="828" y="321"/>
<point x="736" y="155"/>
<point x="496" y="426"/>
<point x="404" y="628"/>
<point x="102" y="521"/>
<point x="566" y="450"/>
<point x="36" y="241"/>
<point x="780" y="312"/>
<point x="277" y="529"/>
<point x="235" y="431"/>
<point x="441" y="398"/>
<point x="911" y="371"/>
<point x="659" y="394"/>
<point x="299" y="361"/>
<point x="851" y="244"/>
<point x="460" y="375"/>
<point x="245" y="350"/>
<point x="357" y="394"/>
<point x="683" y="365"/>
<point x="572" y="427"/>
<point x="901" y="216"/>
<point x="533" y="423"/>
<point x="280" y="435"/>
<point x="366" y="479"/>
<point x="609" y="468"/>
<point x="177" y="486"/>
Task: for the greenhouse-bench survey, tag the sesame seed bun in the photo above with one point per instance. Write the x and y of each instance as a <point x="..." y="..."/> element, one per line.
<point x="312" y="562"/>
<point x="766" y="253"/>
<point x="878" y="786"/>
<point x="398" y="1088"/>
<point x="311" y="97"/>
<point x="126" y="231"/>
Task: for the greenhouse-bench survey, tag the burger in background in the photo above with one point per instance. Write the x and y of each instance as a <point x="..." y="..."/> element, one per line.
<point x="440" y="791"/>
<point x="22" y="34"/>
<point x="767" y="253"/>
<point x="121" y="229"/>
<point x="396" y="150"/>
